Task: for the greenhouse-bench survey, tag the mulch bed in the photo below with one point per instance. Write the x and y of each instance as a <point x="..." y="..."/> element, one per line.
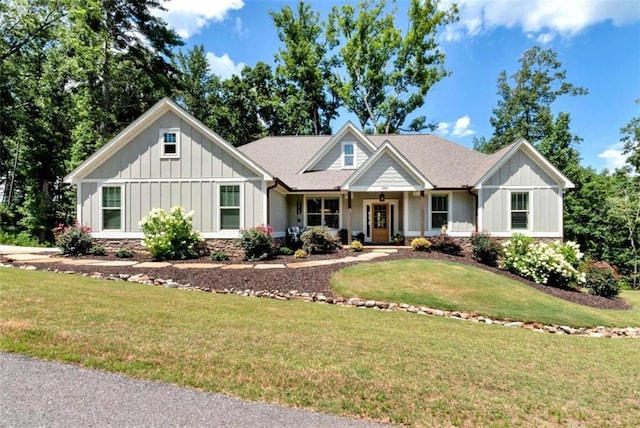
<point x="309" y="279"/>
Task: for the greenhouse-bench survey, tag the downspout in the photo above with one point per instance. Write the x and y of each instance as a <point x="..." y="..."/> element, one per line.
<point x="475" y="208"/>
<point x="275" y="184"/>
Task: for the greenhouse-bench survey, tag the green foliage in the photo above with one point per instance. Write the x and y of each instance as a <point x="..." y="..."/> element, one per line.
<point x="257" y="243"/>
<point x="124" y="254"/>
<point x="421" y="244"/>
<point x="22" y="239"/>
<point x="444" y="243"/>
<point x="300" y="254"/>
<point x="285" y="251"/>
<point x="356" y="246"/>
<point x="385" y="75"/>
<point x="170" y="236"/>
<point x="398" y="239"/>
<point x="555" y="264"/>
<point x="219" y="256"/>
<point x="98" y="250"/>
<point x="631" y="140"/>
<point x="73" y="240"/>
<point x="319" y="239"/>
<point x="601" y="279"/>
<point x="486" y="250"/>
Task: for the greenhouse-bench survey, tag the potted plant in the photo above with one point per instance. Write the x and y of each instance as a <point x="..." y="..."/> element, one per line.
<point x="398" y="239"/>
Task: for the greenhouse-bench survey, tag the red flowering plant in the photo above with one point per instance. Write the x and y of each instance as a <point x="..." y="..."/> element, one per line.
<point x="257" y="243"/>
<point x="73" y="240"/>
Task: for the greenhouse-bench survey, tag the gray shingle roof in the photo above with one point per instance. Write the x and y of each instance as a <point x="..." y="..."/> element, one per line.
<point x="444" y="163"/>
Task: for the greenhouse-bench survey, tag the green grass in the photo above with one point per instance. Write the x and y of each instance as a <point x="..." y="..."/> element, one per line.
<point x="388" y="366"/>
<point x="453" y="286"/>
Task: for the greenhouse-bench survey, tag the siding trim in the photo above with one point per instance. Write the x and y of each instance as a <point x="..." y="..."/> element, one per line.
<point x="170" y="180"/>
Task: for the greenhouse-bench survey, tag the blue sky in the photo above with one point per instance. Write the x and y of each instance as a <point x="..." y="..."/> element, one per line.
<point x="597" y="41"/>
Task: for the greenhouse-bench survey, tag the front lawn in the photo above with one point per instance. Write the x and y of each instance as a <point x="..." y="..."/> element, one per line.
<point x="452" y="286"/>
<point x="388" y="366"/>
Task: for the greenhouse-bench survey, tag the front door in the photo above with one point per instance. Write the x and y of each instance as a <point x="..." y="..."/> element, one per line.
<point x="380" y="222"/>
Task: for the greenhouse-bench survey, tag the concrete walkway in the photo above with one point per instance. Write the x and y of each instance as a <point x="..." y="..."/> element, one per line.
<point x="35" y="393"/>
<point x="34" y="255"/>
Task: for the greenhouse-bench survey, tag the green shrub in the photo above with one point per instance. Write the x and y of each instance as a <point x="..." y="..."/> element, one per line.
<point x="219" y="256"/>
<point x="421" y="244"/>
<point x="398" y="239"/>
<point x="98" y="250"/>
<point x="319" y="239"/>
<point x="601" y="279"/>
<point x="486" y="250"/>
<point x="446" y="244"/>
<point x="124" y="254"/>
<point x="22" y="239"/>
<point x="300" y="254"/>
<point x="257" y="243"/>
<point x="285" y="251"/>
<point x="170" y="236"/>
<point x="73" y="240"/>
<point x="356" y="246"/>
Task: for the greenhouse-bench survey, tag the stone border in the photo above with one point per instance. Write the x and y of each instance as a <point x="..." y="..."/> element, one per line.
<point x="354" y="302"/>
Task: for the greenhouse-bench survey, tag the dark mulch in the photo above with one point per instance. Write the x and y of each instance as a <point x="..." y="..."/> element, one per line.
<point x="309" y="279"/>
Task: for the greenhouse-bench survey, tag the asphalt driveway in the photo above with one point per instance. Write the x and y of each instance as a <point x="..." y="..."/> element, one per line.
<point x="35" y="393"/>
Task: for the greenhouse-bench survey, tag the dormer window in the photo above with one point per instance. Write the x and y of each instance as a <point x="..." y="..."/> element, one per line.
<point x="170" y="143"/>
<point x="349" y="156"/>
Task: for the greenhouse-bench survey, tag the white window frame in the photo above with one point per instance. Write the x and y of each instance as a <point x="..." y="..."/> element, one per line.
<point x="322" y="198"/>
<point x="163" y="154"/>
<point x="240" y="208"/>
<point x="354" y="155"/>
<point x="430" y="211"/>
<point x="122" y="208"/>
<point x="529" y="211"/>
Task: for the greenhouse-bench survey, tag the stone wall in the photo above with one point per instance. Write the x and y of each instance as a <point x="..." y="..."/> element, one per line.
<point x="228" y="246"/>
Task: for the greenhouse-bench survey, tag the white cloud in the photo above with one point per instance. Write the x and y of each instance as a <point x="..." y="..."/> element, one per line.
<point x="460" y="127"/>
<point x="188" y="17"/>
<point x="223" y="66"/>
<point x="543" y="18"/>
<point x="613" y="158"/>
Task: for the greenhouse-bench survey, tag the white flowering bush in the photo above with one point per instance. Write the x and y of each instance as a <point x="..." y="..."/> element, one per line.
<point x="556" y="264"/>
<point x="170" y="236"/>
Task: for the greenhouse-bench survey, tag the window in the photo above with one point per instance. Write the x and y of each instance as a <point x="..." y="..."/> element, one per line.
<point x="112" y="208"/>
<point x="520" y="210"/>
<point x="348" y="155"/>
<point x="323" y="212"/>
<point x="170" y="142"/>
<point x="230" y="207"/>
<point x="439" y="211"/>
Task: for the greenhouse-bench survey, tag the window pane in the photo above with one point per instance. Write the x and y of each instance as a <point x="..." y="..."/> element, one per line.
<point x="438" y="220"/>
<point x="331" y="220"/>
<point x="520" y="201"/>
<point x="348" y="149"/>
<point x="229" y="196"/>
<point x="111" y="197"/>
<point x="170" y="149"/>
<point x="230" y="218"/>
<point x="314" y="206"/>
<point x="169" y="137"/>
<point x="314" y="220"/>
<point x="439" y="203"/>
<point x="111" y="219"/>
<point x="519" y="220"/>
<point x="331" y="205"/>
<point x="348" y="160"/>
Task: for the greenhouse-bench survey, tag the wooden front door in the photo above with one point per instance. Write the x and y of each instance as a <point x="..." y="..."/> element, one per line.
<point x="380" y="222"/>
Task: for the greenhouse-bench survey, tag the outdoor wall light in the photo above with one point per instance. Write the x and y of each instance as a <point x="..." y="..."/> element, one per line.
<point x="381" y="197"/>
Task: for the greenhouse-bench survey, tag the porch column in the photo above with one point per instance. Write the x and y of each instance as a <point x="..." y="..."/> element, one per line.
<point x="349" y="218"/>
<point x="423" y="212"/>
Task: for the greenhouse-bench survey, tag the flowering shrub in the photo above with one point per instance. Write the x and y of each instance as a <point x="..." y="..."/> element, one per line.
<point x="356" y="246"/>
<point x="257" y="243"/>
<point x="602" y="279"/>
<point x="555" y="264"/>
<point x="420" y="244"/>
<point x="74" y="240"/>
<point x="486" y="250"/>
<point x="319" y="239"/>
<point x="300" y="254"/>
<point x="170" y="235"/>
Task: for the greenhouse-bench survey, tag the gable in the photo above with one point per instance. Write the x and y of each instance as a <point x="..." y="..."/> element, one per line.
<point x="386" y="172"/>
<point x="332" y="160"/>
<point x="136" y="152"/>
<point x="520" y="170"/>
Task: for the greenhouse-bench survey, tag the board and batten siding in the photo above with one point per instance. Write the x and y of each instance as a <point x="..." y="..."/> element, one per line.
<point x="520" y="170"/>
<point x="199" y="157"/>
<point x="140" y="197"/>
<point x="386" y="172"/>
<point x="333" y="159"/>
<point x="461" y="215"/>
